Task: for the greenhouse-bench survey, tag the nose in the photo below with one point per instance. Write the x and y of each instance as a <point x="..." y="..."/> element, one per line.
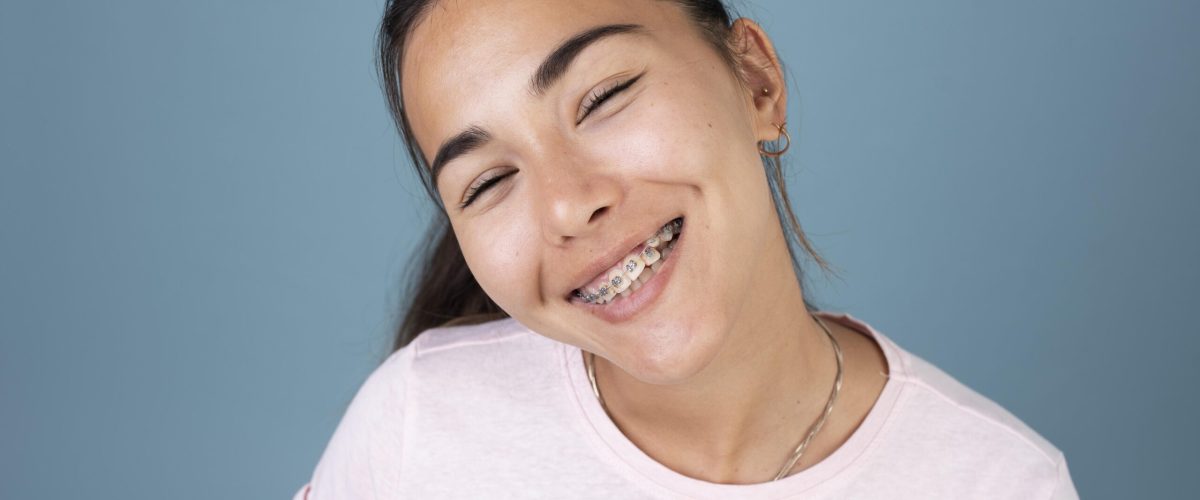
<point x="577" y="200"/>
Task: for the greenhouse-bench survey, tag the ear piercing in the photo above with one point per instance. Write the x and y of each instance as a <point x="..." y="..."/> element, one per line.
<point x="787" y="142"/>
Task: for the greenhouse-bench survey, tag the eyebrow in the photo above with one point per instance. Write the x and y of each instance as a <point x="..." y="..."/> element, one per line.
<point x="548" y="73"/>
<point x="557" y="62"/>
<point x="462" y="143"/>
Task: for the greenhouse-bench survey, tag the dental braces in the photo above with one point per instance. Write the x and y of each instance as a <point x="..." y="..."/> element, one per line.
<point x="592" y="298"/>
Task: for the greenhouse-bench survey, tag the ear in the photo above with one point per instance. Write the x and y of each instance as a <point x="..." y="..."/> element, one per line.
<point x="760" y="70"/>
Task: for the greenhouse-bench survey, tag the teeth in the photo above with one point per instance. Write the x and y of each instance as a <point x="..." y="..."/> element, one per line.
<point x="604" y="295"/>
<point x="618" y="281"/>
<point x="667" y="232"/>
<point x="634" y="265"/>
<point x="650" y="256"/>
<point x="646" y="275"/>
<point x="635" y="269"/>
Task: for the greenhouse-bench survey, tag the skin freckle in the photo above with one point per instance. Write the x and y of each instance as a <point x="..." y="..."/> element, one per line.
<point x="586" y="189"/>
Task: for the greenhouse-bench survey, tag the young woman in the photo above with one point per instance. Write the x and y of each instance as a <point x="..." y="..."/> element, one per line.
<point x="613" y="306"/>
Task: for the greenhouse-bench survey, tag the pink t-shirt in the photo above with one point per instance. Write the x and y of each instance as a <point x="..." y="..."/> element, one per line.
<point x="498" y="411"/>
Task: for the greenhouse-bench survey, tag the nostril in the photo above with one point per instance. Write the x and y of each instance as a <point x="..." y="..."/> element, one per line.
<point x="597" y="213"/>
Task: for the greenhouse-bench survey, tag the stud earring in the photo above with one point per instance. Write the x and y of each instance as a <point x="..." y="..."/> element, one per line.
<point x="787" y="142"/>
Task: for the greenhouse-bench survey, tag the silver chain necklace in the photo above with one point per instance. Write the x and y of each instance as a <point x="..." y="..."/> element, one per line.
<point x="787" y="466"/>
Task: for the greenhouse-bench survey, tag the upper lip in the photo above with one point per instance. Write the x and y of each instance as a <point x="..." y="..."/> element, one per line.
<point x="609" y="259"/>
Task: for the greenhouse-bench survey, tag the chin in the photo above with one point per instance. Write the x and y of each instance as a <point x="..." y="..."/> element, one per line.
<point x="669" y="354"/>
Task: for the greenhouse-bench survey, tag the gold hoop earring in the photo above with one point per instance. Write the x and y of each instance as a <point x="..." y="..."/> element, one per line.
<point x="787" y="142"/>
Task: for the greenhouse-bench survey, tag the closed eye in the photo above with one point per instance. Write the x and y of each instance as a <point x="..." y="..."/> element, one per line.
<point x="481" y="186"/>
<point x="595" y="99"/>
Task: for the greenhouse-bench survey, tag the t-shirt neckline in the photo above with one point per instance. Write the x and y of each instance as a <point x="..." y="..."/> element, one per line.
<point x="609" y="437"/>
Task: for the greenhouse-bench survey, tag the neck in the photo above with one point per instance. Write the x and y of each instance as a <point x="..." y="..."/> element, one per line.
<point x="739" y="418"/>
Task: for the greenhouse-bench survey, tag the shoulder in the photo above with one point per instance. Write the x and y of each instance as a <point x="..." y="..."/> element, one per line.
<point x="393" y="385"/>
<point x="370" y="438"/>
<point x="931" y="424"/>
<point x="465" y="340"/>
<point x="958" y="428"/>
<point x="469" y="375"/>
<point x="366" y="436"/>
<point x="471" y="352"/>
<point x="957" y="402"/>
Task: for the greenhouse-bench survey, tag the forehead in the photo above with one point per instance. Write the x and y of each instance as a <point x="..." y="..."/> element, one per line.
<point x="466" y="60"/>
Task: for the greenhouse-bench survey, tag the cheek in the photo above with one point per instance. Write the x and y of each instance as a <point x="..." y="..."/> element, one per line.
<point x="676" y="134"/>
<point x="501" y="257"/>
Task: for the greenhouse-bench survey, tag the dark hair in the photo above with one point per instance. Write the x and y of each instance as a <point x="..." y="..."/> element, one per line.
<point x="444" y="291"/>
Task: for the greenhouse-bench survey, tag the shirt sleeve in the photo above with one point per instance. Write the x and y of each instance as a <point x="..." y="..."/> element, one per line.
<point x="363" y="458"/>
<point x="1065" y="488"/>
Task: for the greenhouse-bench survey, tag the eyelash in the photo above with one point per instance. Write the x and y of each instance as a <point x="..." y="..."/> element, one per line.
<point x="482" y="186"/>
<point x="596" y="99"/>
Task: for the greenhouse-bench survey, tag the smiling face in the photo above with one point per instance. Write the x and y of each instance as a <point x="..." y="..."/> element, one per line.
<point x="551" y="184"/>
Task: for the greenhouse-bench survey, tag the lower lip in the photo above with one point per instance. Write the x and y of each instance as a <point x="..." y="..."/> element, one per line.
<point x="625" y="308"/>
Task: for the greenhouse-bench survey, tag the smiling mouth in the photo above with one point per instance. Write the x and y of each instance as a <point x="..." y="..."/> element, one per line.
<point x="627" y="275"/>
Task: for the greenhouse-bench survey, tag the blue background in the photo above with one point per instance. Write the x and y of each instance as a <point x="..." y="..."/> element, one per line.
<point x="206" y="215"/>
